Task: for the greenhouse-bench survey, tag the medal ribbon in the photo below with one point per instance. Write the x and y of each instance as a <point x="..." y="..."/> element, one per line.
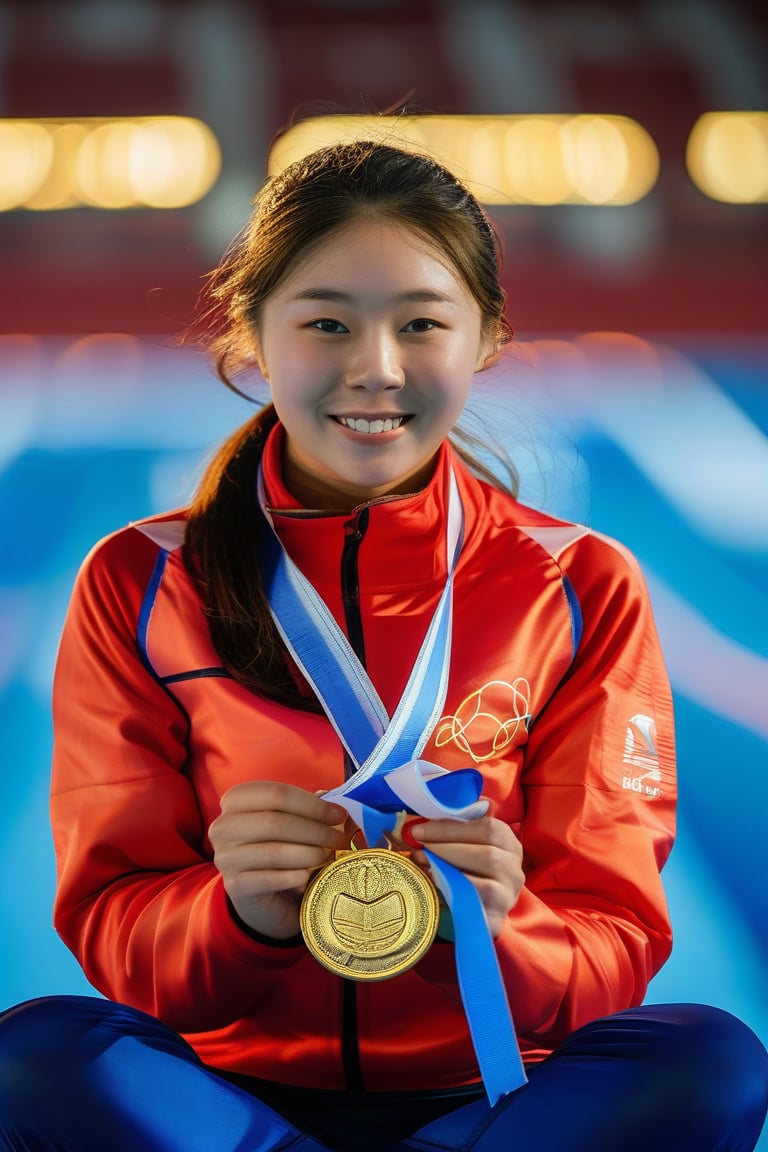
<point x="390" y="778"/>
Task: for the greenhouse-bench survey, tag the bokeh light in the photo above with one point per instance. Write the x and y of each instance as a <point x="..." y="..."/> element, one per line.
<point x="546" y="159"/>
<point x="27" y="156"/>
<point x="131" y="162"/>
<point x="727" y="156"/>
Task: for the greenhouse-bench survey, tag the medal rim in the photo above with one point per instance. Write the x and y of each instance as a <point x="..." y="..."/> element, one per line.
<point x="430" y="896"/>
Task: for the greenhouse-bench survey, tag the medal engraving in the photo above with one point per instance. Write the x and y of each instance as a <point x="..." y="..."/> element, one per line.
<point x="369" y="915"/>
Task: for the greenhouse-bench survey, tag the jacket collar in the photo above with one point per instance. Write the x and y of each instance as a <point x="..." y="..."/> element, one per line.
<point x="404" y="542"/>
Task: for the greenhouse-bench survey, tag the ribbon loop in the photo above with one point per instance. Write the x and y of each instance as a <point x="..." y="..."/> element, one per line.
<point x="436" y="793"/>
<point x="418" y="788"/>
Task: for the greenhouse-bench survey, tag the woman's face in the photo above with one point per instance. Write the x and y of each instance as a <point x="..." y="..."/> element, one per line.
<point x="369" y="346"/>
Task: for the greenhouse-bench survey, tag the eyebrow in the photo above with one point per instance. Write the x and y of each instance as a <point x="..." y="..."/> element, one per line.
<point x="421" y="295"/>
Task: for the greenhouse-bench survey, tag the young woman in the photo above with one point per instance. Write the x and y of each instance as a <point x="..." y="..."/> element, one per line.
<point x="364" y="771"/>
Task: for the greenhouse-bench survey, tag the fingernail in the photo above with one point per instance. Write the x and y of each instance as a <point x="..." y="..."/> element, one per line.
<point x="406" y="832"/>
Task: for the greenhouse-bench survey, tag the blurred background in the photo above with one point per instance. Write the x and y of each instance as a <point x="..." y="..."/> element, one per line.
<point x="133" y="136"/>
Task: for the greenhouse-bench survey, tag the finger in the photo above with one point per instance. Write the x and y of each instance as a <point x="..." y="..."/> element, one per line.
<point x="488" y="831"/>
<point x="269" y="857"/>
<point x="249" y="828"/>
<point x="479" y="860"/>
<point x="273" y="795"/>
<point x="250" y="885"/>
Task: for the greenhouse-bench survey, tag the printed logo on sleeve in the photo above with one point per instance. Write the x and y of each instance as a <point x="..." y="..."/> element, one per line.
<point x="641" y="757"/>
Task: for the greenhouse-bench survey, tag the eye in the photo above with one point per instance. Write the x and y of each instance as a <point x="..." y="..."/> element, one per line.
<point x="334" y="327"/>
<point x="421" y="325"/>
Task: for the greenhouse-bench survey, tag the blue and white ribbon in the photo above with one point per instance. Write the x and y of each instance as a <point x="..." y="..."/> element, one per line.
<point x="390" y="778"/>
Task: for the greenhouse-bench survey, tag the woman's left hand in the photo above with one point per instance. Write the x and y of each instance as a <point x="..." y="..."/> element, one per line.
<point x="486" y="851"/>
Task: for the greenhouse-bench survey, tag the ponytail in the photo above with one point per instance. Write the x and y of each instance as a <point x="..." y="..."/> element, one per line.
<point x="221" y="553"/>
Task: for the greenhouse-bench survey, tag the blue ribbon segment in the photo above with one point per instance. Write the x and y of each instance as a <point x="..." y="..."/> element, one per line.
<point x="480" y="984"/>
<point x="322" y="652"/>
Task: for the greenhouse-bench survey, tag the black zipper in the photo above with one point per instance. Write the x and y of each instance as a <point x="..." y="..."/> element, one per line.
<point x="354" y="532"/>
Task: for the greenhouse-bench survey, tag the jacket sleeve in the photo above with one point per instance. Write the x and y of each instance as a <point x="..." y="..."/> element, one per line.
<point x="591" y="925"/>
<point x="139" y="900"/>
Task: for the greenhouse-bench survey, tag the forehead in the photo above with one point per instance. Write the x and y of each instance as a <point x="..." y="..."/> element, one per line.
<point x="371" y="249"/>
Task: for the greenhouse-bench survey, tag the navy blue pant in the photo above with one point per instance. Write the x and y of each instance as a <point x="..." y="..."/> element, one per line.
<point x="79" y="1074"/>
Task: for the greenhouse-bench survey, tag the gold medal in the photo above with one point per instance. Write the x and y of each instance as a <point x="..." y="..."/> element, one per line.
<point x="369" y="914"/>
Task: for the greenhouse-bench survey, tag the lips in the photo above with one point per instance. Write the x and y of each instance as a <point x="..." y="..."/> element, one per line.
<point x="371" y="427"/>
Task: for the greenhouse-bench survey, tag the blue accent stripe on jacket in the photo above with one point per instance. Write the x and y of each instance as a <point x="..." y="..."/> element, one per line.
<point x="147" y="605"/>
<point x="576" y="618"/>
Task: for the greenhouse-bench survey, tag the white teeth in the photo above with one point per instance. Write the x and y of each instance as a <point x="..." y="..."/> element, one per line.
<point x="370" y="426"/>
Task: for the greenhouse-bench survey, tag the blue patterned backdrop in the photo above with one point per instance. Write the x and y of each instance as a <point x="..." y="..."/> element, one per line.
<point x="661" y="444"/>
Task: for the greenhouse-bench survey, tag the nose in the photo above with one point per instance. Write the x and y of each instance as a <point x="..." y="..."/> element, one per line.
<point x="374" y="362"/>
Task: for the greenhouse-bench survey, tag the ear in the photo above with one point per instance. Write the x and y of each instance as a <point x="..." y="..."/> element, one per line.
<point x="258" y="356"/>
<point x="488" y="353"/>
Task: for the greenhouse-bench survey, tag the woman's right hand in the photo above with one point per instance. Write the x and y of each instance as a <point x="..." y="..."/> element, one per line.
<point x="267" y="842"/>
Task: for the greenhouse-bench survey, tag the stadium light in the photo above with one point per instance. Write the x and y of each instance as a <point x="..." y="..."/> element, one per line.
<point x="543" y="160"/>
<point x="130" y="162"/>
<point x="727" y="156"/>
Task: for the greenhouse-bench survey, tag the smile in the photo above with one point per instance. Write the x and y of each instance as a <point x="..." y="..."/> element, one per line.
<point x="371" y="427"/>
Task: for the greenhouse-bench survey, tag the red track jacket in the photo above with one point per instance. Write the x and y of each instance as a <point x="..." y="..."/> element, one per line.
<point x="557" y="693"/>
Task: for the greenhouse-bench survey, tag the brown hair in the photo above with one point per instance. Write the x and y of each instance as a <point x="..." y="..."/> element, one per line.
<point x="295" y="211"/>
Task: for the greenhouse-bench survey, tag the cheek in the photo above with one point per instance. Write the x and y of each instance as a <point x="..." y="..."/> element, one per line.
<point x="293" y="380"/>
<point x="460" y="365"/>
<point x="458" y="385"/>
